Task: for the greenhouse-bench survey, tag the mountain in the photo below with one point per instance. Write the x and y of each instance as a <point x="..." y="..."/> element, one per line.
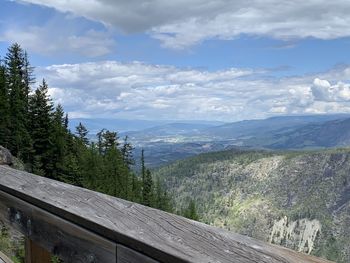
<point x="171" y="133"/>
<point x="167" y="141"/>
<point x="132" y="126"/>
<point x="120" y="125"/>
<point x="259" y="128"/>
<point x="328" y="134"/>
<point x="300" y="200"/>
<point x="170" y="142"/>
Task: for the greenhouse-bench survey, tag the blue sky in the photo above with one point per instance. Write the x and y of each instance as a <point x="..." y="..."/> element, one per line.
<point x="213" y="60"/>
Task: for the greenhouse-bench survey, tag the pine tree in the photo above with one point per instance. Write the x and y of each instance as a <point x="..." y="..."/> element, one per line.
<point x="15" y="65"/>
<point x="4" y="108"/>
<point x="39" y="135"/>
<point x="72" y="172"/>
<point x="162" y="200"/>
<point x="58" y="137"/>
<point x="147" y="183"/>
<point x="99" y="141"/>
<point x="127" y="154"/>
<point x="147" y="194"/>
<point x="40" y="112"/>
<point x="82" y="133"/>
<point x="191" y="211"/>
<point x="110" y="140"/>
<point x="143" y="166"/>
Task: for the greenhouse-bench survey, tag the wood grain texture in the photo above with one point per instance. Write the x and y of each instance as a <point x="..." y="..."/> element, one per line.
<point x="162" y="236"/>
<point x="35" y="253"/>
<point x="55" y="235"/>
<point x="4" y="258"/>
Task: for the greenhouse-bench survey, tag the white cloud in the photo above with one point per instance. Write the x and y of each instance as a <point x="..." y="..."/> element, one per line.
<point x="179" y="24"/>
<point x="55" y="39"/>
<point x="142" y="91"/>
<point x="324" y="91"/>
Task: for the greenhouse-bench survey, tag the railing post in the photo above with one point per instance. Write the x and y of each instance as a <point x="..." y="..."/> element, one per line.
<point x="35" y="253"/>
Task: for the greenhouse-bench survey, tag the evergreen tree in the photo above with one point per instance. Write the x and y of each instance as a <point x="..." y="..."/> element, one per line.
<point x="110" y="140"/>
<point x="162" y="200"/>
<point x="191" y="211"/>
<point x="58" y="137"/>
<point x="82" y="133"/>
<point x="147" y="194"/>
<point x="40" y="113"/>
<point x="15" y="64"/>
<point x="100" y="141"/>
<point x="127" y="154"/>
<point x="143" y="166"/>
<point x="4" y="108"/>
<point x="147" y="183"/>
<point x="38" y="134"/>
<point x="72" y="172"/>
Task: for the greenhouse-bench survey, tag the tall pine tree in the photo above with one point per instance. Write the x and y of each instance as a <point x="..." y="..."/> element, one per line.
<point x="15" y="67"/>
<point x="4" y="107"/>
<point x="40" y="113"/>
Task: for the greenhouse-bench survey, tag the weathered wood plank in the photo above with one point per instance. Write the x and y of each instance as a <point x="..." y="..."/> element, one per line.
<point x="58" y="236"/>
<point x="127" y="255"/>
<point x="4" y="258"/>
<point x="159" y="235"/>
<point x="35" y="253"/>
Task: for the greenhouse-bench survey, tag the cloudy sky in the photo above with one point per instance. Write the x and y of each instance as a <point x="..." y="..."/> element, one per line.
<point x="222" y="60"/>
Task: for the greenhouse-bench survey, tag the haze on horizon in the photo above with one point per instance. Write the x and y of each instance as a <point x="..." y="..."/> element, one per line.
<point x="186" y="60"/>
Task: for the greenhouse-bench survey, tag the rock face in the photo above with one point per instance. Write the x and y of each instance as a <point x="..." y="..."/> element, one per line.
<point x="6" y="157"/>
<point x="300" y="234"/>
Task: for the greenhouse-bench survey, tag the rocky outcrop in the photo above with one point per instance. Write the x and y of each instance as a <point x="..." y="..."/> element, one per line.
<point x="6" y="157"/>
<point x="299" y="234"/>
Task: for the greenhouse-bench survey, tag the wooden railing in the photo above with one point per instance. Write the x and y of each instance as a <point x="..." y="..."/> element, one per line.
<point x="82" y="226"/>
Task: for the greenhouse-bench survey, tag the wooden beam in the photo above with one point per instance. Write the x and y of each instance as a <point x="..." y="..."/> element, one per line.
<point x="35" y="253"/>
<point x="47" y="232"/>
<point x="127" y="255"/>
<point x="160" y="236"/>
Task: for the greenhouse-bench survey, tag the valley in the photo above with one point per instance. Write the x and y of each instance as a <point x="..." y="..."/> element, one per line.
<point x="169" y="142"/>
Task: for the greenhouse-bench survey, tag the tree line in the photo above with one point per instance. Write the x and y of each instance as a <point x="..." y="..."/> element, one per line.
<point x="36" y="131"/>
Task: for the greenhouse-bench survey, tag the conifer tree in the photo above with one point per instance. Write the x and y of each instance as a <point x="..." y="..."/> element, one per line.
<point x="20" y="141"/>
<point x="40" y="113"/>
<point x="58" y="137"/>
<point x="147" y="183"/>
<point x="162" y="200"/>
<point x="127" y="154"/>
<point x="82" y="133"/>
<point x="147" y="194"/>
<point x="143" y="166"/>
<point x="191" y="211"/>
<point x="38" y="134"/>
<point x="100" y="141"/>
<point x="4" y="108"/>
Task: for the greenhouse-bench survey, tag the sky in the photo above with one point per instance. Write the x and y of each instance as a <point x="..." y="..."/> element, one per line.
<point x="222" y="60"/>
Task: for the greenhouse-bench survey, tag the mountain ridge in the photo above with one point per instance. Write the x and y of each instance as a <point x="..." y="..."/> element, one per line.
<point x="297" y="199"/>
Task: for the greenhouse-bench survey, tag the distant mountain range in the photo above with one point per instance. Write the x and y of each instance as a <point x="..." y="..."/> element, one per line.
<point x="131" y="126"/>
<point x="261" y="128"/>
<point x="335" y="133"/>
<point x="166" y="141"/>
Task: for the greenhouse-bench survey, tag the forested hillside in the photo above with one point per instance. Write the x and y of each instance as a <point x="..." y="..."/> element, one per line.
<point x="298" y="199"/>
<point x="36" y="131"/>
